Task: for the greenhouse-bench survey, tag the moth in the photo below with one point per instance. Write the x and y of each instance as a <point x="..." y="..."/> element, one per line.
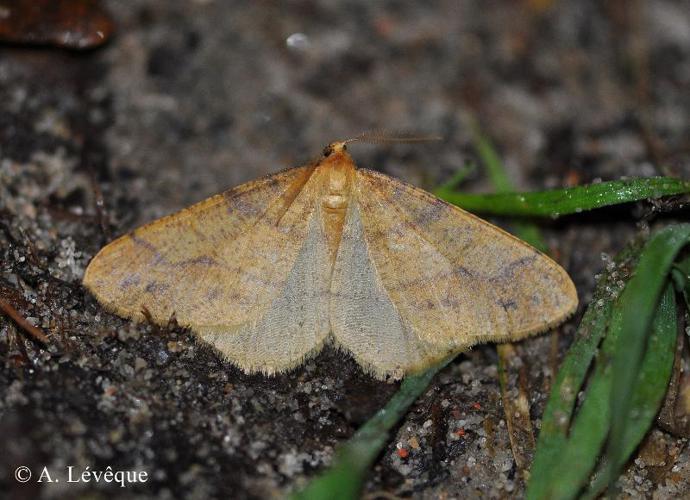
<point x="272" y="270"/>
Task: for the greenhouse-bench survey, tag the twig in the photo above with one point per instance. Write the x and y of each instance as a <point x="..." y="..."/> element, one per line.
<point x="33" y="331"/>
<point x="517" y="414"/>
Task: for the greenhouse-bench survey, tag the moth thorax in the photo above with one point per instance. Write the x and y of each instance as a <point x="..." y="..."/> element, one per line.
<point x="337" y="194"/>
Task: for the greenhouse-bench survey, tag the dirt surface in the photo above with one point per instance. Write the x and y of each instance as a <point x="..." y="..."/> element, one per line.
<point x="193" y="96"/>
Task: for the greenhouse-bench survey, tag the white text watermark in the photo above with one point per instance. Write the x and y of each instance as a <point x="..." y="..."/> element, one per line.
<point x="72" y="474"/>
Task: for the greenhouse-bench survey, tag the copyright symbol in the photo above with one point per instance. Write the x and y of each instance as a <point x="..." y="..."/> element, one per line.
<point x="22" y="474"/>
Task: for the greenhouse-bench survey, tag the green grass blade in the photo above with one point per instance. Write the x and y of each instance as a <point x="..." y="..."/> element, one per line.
<point x="501" y="183"/>
<point x="633" y="317"/>
<point x="649" y="388"/>
<point x="580" y="453"/>
<point x="490" y="158"/>
<point x="681" y="279"/>
<point x="546" y="473"/>
<point x="616" y="390"/>
<point x="459" y="176"/>
<point x="344" y="479"/>
<point x="557" y="202"/>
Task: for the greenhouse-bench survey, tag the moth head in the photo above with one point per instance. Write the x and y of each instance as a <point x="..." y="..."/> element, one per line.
<point x="334" y="148"/>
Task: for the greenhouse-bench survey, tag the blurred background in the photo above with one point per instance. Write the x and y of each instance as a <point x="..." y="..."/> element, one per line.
<point x="115" y="113"/>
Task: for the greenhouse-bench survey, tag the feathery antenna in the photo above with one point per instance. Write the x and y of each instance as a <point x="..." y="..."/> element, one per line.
<point x="385" y="136"/>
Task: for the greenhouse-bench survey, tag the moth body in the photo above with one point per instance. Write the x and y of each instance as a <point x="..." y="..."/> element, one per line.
<point x="270" y="271"/>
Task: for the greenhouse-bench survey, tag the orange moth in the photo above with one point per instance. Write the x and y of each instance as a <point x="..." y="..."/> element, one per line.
<point x="270" y="271"/>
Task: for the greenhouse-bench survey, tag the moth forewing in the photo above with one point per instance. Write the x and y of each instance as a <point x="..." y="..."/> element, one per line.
<point x="271" y="270"/>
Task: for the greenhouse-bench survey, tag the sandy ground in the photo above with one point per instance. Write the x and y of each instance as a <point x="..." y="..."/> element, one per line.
<point x="191" y="97"/>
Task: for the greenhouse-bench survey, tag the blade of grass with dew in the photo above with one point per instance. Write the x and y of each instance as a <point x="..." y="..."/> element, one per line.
<point x="637" y="305"/>
<point x="579" y="454"/>
<point x="557" y="202"/>
<point x="553" y="436"/>
<point x="345" y="478"/>
<point x="649" y="389"/>
<point x="617" y="372"/>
